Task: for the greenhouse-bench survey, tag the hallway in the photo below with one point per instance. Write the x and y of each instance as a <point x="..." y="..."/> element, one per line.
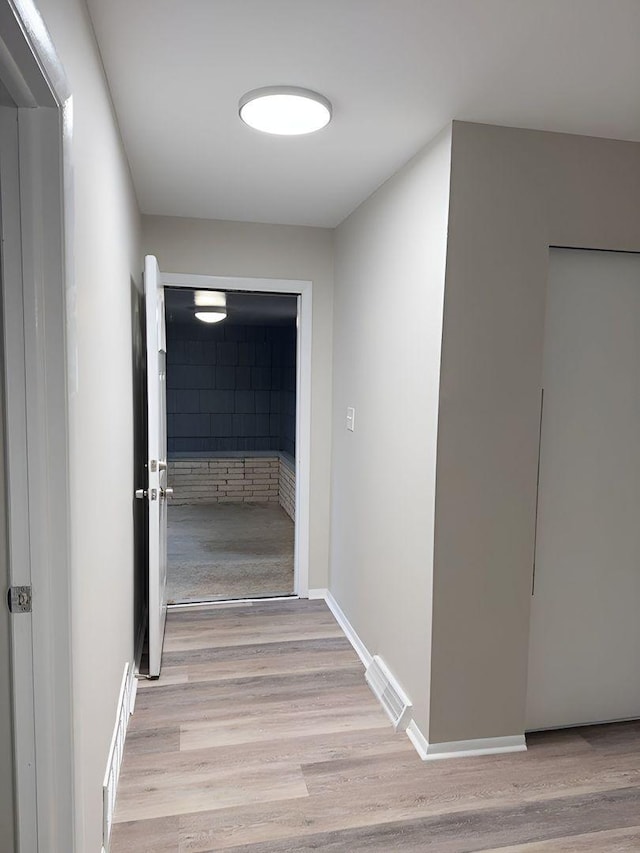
<point x="261" y="735"/>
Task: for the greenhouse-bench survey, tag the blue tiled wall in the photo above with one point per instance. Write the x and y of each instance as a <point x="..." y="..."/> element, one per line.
<point x="231" y="388"/>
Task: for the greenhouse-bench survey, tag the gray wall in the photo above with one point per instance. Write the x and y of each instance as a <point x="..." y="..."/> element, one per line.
<point x="105" y="257"/>
<point x="389" y="285"/>
<point x="269" y="251"/>
<point x="231" y="387"/>
<point x="513" y="193"/>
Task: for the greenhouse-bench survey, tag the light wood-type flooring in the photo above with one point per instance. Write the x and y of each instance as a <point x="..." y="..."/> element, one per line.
<point x="261" y="736"/>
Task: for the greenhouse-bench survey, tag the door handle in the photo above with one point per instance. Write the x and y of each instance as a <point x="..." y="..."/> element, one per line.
<point x="166" y="493"/>
<point x="535" y="530"/>
<point x="141" y="494"/>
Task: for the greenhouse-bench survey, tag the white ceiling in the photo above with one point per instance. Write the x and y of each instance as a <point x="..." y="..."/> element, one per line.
<point x="396" y="71"/>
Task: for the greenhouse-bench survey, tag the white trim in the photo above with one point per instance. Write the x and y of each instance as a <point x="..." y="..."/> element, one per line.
<point x="126" y="699"/>
<point x="350" y="632"/>
<point x="419" y="741"/>
<point x="133" y="692"/>
<point x="389" y="693"/>
<point x="463" y="748"/>
<point x="17" y="478"/>
<point x="318" y="594"/>
<point x="48" y="465"/>
<point x="427" y="751"/>
<point x="222" y="282"/>
<point x="41" y="643"/>
<point x="50" y="78"/>
<point x="303" y="289"/>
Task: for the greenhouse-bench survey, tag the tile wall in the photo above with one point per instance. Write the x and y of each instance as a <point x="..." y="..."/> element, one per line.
<point x="231" y="388"/>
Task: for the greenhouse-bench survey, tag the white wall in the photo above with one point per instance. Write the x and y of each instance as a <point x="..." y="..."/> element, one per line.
<point x="105" y="259"/>
<point x="389" y="286"/>
<point x="210" y="247"/>
<point x="513" y="194"/>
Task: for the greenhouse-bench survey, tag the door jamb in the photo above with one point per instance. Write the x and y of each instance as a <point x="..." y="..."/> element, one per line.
<point x="37" y="294"/>
<point x="303" y="290"/>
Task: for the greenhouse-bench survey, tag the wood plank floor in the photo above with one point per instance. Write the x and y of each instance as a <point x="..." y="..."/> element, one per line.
<point x="262" y="736"/>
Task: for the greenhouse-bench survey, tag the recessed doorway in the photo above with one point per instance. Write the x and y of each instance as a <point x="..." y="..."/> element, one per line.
<point x="585" y="633"/>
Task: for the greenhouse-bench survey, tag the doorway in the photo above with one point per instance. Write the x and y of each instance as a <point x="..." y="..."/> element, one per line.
<point x="289" y="465"/>
<point x="585" y="631"/>
<point x="231" y="433"/>
<point x="36" y="224"/>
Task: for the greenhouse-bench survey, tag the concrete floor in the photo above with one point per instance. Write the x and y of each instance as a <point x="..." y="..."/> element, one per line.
<point x="230" y="550"/>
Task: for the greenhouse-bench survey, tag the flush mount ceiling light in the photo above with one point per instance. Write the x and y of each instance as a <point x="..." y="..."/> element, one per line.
<point x="213" y="316"/>
<point x="210" y="298"/>
<point x="285" y="110"/>
<point x="215" y="303"/>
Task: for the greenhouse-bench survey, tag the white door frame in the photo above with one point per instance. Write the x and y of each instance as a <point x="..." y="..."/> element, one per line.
<point x="37" y="292"/>
<point x="303" y="290"/>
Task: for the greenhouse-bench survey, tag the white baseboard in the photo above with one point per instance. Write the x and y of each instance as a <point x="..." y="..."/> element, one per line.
<point x="427" y="751"/>
<point x="361" y="650"/>
<point x="124" y="709"/>
<point x="389" y="693"/>
<point x="315" y="594"/>
<point x="463" y="748"/>
<point x="133" y="692"/>
<point x="419" y="741"/>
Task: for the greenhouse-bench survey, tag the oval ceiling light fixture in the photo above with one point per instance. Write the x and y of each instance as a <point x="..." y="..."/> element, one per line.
<point x="285" y="110"/>
<point x="211" y="316"/>
<point x="215" y="301"/>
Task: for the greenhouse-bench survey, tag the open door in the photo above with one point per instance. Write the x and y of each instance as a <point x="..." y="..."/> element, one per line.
<point x="156" y="492"/>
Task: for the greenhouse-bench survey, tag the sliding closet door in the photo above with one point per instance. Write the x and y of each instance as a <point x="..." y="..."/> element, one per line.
<point x="584" y="657"/>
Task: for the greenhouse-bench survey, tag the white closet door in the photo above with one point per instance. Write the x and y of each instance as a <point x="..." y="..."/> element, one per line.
<point x="584" y="655"/>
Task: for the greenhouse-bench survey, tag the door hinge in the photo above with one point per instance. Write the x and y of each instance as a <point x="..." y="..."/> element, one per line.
<point x="19" y="599"/>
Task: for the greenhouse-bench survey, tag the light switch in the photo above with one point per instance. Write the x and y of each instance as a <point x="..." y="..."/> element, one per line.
<point x="351" y="418"/>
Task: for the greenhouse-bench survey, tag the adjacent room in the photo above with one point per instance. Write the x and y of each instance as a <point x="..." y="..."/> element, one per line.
<point x="231" y="437"/>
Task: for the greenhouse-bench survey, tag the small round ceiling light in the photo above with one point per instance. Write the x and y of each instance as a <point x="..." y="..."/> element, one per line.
<point x="213" y="316"/>
<point x="210" y="298"/>
<point x="285" y="110"/>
